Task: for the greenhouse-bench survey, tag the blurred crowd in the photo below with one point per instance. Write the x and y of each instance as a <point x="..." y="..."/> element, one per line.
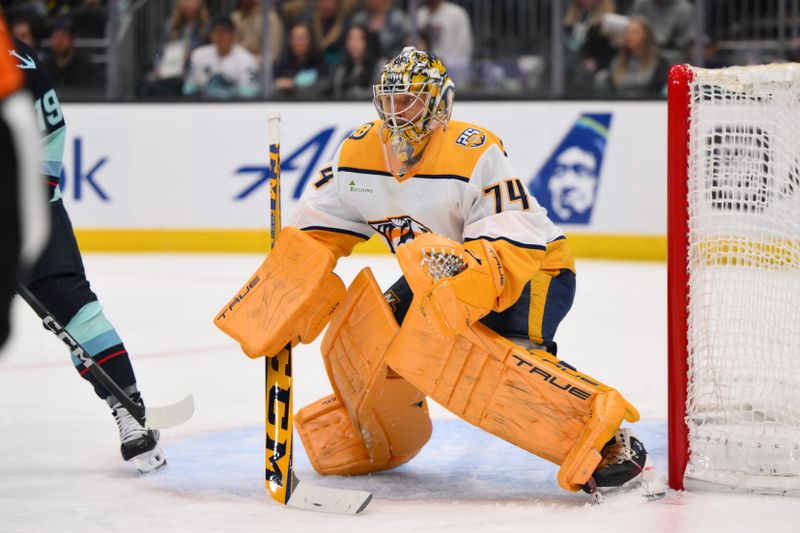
<point x="335" y="48"/>
<point x="317" y="49"/>
<point x="60" y="23"/>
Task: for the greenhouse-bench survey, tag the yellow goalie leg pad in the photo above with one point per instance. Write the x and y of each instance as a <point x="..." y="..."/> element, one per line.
<point x="291" y="297"/>
<point x="528" y="398"/>
<point x="375" y="420"/>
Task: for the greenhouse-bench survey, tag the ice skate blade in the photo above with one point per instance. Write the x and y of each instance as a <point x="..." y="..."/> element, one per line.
<point x="149" y="461"/>
<point x="648" y="491"/>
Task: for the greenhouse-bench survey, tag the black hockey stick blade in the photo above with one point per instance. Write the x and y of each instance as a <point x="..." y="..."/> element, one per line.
<point x="150" y="417"/>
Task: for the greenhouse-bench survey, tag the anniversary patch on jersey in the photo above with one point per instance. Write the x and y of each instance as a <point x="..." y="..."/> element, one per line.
<point x="397" y="230"/>
<point x="471" y="138"/>
<point x="361" y="131"/>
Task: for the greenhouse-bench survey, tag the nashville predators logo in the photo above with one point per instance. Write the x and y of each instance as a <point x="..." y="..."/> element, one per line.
<point x="398" y="230"/>
<point x="471" y="138"/>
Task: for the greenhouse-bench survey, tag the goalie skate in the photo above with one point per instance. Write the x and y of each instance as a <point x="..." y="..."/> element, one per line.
<point x="625" y="468"/>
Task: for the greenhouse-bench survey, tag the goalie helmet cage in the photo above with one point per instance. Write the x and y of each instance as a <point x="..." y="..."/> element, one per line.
<point x="734" y="278"/>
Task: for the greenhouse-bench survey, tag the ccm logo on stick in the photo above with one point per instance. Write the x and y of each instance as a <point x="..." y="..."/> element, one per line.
<point x="551" y="379"/>
<point x="239" y="297"/>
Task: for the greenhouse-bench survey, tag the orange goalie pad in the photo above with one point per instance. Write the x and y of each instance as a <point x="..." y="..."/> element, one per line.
<point x="291" y="297"/>
<point x="375" y="420"/>
<point x="528" y="398"/>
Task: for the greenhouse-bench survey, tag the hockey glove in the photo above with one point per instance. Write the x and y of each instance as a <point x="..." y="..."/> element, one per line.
<point x="458" y="283"/>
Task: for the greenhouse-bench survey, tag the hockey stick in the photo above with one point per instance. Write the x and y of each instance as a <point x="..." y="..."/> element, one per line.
<point x="150" y="417"/>
<point x="282" y="483"/>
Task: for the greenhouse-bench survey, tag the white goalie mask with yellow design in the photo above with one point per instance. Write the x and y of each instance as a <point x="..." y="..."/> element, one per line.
<point x="414" y="98"/>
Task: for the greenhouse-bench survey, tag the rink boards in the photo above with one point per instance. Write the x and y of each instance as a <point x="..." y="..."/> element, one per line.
<point x="190" y="177"/>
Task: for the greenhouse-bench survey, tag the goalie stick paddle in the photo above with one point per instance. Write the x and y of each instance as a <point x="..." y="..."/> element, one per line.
<point x="281" y="481"/>
<point x="150" y="417"/>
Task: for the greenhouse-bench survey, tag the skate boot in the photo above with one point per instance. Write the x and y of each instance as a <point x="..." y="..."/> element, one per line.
<point x="625" y="464"/>
<point x="138" y="445"/>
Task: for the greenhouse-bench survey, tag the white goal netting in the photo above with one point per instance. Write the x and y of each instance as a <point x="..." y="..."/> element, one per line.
<point x="743" y="406"/>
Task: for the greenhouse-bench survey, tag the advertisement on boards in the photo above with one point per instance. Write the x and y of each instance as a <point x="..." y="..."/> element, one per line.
<point x="597" y="167"/>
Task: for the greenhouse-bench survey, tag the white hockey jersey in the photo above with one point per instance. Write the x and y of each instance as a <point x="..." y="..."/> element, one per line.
<point x="464" y="188"/>
<point x="232" y="76"/>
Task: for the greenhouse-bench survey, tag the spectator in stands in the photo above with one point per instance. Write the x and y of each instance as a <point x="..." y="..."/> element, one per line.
<point x="589" y="49"/>
<point x="222" y="70"/>
<point x="185" y="30"/>
<point x="188" y="23"/>
<point x="713" y="58"/>
<point x="328" y="25"/>
<point x="70" y="70"/>
<point x="387" y="22"/>
<point x="297" y="11"/>
<point x="355" y="76"/>
<point x="23" y="29"/>
<point x="249" y="23"/>
<point x="449" y="28"/>
<point x="300" y="72"/>
<point x="639" y="69"/>
<point x="423" y="41"/>
<point x="294" y="11"/>
<point x="672" y="22"/>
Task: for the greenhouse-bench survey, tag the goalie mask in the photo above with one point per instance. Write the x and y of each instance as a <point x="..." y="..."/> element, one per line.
<point x="414" y="98"/>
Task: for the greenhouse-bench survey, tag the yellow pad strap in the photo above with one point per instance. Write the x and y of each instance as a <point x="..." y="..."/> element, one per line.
<point x="291" y="297"/>
<point x="388" y="414"/>
<point x="528" y="398"/>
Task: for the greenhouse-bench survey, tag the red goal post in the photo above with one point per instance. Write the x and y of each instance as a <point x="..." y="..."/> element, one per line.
<point x="734" y="278"/>
<point x="677" y="278"/>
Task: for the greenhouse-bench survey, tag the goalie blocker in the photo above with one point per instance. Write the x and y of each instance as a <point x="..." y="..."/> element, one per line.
<point x="377" y="417"/>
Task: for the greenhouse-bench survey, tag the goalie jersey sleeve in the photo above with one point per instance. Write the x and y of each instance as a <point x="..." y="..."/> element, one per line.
<point x="464" y="189"/>
<point x="329" y="219"/>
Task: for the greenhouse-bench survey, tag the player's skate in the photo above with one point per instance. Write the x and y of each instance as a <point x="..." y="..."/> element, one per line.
<point x="625" y="466"/>
<point x="138" y="445"/>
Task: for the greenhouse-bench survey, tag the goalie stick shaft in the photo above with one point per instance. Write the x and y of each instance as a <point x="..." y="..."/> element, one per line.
<point x="162" y="417"/>
<point x="281" y="481"/>
<point x="279" y="422"/>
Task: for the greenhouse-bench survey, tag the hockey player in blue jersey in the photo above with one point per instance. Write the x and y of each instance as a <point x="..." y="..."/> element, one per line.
<point x="58" y="279"/>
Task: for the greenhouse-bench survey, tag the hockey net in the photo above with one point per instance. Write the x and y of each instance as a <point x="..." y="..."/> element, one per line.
<point x="734" y="277"/>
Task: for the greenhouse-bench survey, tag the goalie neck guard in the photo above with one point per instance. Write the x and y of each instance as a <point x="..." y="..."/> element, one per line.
<point x="414" y="97"/>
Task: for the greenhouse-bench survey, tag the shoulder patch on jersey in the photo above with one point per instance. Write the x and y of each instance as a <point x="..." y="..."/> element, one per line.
<point x="361" y="131"/>
<point x="471" y="138"/>
<point x="363" y="150"/>
<point x="398" y="230"/>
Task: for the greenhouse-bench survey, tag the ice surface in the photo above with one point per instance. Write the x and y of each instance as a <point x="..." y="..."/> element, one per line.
<point x="60" y="468"/>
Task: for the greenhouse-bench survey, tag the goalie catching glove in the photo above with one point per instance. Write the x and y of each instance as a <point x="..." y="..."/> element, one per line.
<point x="290" y="298"/>
<point x="458" y="283"/>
